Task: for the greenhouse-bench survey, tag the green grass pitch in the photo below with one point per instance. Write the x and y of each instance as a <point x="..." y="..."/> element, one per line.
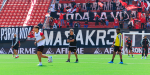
<point x="89" y="64"/>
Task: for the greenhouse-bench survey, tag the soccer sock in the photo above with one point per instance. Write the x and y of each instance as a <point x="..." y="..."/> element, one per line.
<point x="76" y="59"/>
<point x="121" y="60"/>
<point x="112" y="60"/>
<point x="40" y="63"/>
<point x="132" y="55"/>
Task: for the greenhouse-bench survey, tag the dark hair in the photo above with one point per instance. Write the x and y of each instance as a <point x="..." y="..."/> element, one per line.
<point x="37" y="27"/>
<point x="118" y="29"/>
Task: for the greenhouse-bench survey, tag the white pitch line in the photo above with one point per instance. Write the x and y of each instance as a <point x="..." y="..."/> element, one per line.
<point x="73" y="62"/>
<point x="72" y="58"/>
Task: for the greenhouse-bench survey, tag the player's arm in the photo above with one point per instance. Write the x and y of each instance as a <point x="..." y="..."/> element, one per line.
<point x="131" y="43"/>
<point x="120" y="42"/>
<point x="142" y="42"/>
<point x="126" y="43"/>
<point x="19" y="44"/>
<point x="72" y="40"/>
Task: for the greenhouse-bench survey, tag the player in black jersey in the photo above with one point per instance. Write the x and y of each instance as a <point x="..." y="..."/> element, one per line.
<point x="72" y="46"/>
<point x="129" y="46"/>
<point x="15" y="45"/>
<point x="145" y="44"/>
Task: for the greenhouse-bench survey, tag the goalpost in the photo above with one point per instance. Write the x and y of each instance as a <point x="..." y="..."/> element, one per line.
<point x="136" y="40"/>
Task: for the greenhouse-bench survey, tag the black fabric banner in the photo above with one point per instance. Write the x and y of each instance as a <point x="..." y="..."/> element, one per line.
<point x="7" y="33"/>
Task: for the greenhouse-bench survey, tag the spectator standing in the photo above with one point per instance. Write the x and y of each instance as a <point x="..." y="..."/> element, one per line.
<point x="59" y="25"/>
<point x="86" y="24"/>
<point x="76" y="25"/>
<point x="61" y="17"/>
<point x="71" y="22"/>
<point x="116" y="22"/>
<point x="130" y="24"/>
<point x="121" y="23"/>
<point x="148" y="25"/>
<point x="136" y="25"/>
<point x="68" y="23"/>
<point x="80" y="8"/>
<point x="56" y="21"/>
<point x="88" y="5"/>
<point x="54" y="26"/>
<point x="114" y="5"/>
<point x="61" y="9"/>
<point x="107" y="22"/>
<point x="147" y="16"/>
<point x="40" y="26"/>
<point x="51" y="22"/>
<point x="143" y="22"/>
<point x="96" y="18"/>
<point x="53" y="12"/>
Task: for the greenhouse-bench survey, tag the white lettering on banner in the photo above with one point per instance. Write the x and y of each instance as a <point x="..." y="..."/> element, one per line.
<point x="2" y="51"/>
<point x="58" y="51"/>
<point x="33" y="50"/>
<point x="103" y="14"/>
<point x="100" y="37"/>
<point x="112" y="36"/>
<point x="21" y="51"/>
<point x="79" y="37"/>
<point x="9" y="33"/>
<point x="65" y="41"/>
<point x="78" y="14"/>
<point x="86" y="16"/>
<point x="88" y="37"/>
<point x="58" y="39"/>
<point x="106" y="51"/>
<point x="80" y="50"/>
<point x="2" y="33"/>
<point x="5" y="37"/>
<point x="63" y="50"/>
<point x="111" y="50"/>
<point x="49" y="51"/>
<point x="10" y="51"/>
<point x="97" y="51"/>
<point x="48" y="39"/>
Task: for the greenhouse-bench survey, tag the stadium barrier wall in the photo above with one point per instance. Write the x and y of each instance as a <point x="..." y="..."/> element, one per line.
<point x="89" y="40"/>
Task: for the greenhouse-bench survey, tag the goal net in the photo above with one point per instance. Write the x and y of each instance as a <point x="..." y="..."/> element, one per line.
<point x="136" y="42"/>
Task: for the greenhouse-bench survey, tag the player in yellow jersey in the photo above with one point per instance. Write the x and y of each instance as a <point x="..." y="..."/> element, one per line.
<point x="117" y="46"/>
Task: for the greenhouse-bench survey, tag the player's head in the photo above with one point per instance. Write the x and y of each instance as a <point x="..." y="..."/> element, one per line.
<point x="15" y="35"/>
<point x="145" y="37"/>
<point x="71" y="31"/>
<point x="128" y="38"/>
<point x="36" y="28"/>
<point x="118" y="30"/>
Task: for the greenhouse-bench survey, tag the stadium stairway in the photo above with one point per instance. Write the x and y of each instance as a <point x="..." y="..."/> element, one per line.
<point x="39" y="12"/>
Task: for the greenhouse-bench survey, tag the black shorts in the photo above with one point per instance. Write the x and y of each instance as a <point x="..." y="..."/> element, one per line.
<point x="15" y="47"/>
<point x="116" y="48"/>
<point x="129" y="48"/>
<point x="40" y="48"/>
<point x="72" y="49"/>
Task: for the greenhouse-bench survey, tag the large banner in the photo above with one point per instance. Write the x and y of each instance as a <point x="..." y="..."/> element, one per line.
<point x="7" y="33"/>
<point x="88" y="37"/>
<point x="89" y="41"/>
<point x="91" y="37"/>
<point x="82" y="16"/>
<point x="136" y="50"/>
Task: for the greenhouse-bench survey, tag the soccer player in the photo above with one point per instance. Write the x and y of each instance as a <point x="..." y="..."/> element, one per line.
<point x="144" y="44"/>
<point x="128" y="43"/>
<point x="15" y="45"/>
<point x="39" y="40"/>
<point x="117" y="46"/>
<point x="72" y="47"/>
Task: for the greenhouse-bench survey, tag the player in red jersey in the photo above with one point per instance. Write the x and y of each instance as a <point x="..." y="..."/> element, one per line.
<point x="128" y="43"/>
